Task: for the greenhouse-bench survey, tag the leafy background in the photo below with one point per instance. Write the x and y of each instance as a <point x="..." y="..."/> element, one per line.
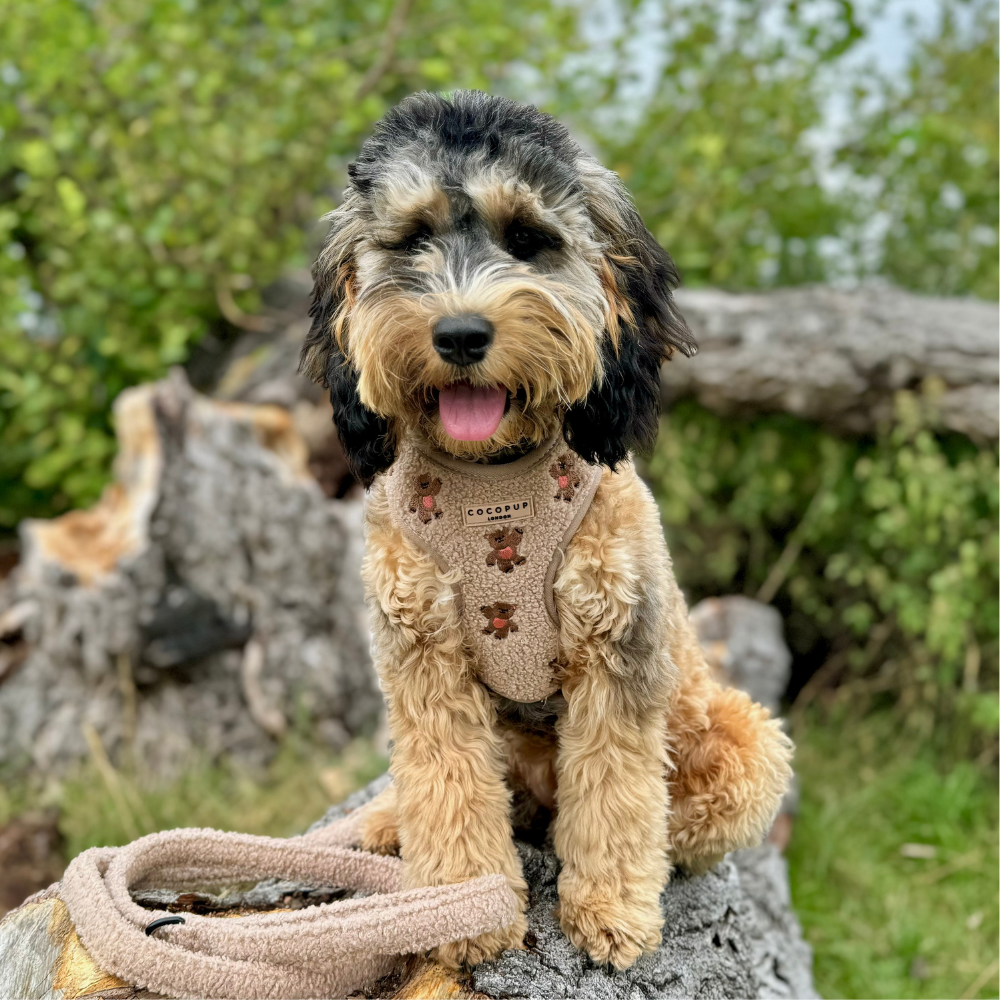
<point x="162" y="161"/>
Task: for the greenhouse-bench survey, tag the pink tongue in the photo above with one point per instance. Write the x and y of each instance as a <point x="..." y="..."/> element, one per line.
<point x="471" y="412"/>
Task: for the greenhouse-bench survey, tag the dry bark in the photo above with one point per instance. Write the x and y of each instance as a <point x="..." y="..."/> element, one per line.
<point x="839" y="356"/>
<point x="832" y="355"/>
<point x="208" y="600"/>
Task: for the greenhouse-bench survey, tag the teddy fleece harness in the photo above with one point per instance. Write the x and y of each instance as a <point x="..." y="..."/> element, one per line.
<point x="329" y="950"/>
<point x="506" y="528"/>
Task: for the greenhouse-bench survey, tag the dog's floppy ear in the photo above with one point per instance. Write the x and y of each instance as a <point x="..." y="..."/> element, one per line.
<point x="622" y="411"/>
<point x="367" y="438"/>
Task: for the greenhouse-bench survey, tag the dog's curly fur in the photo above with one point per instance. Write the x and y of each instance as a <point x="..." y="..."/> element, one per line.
<point x="478" y="205"/>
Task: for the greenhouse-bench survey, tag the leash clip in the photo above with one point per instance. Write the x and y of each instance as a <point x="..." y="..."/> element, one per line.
<point x="162" y="922"/>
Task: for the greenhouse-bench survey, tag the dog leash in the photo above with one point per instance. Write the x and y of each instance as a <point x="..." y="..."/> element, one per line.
<point x="328" y="950"/>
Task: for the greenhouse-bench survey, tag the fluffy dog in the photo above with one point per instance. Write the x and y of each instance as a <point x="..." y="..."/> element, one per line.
<point x="487" y="284"/>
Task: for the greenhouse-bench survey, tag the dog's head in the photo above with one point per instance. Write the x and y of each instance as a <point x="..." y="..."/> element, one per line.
<point x="486" y="280"/>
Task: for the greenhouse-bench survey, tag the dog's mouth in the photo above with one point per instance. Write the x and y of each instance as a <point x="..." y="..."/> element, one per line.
<point x="472" y="412"/>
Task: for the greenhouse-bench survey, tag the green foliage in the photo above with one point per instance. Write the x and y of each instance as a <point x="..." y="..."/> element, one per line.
<point x="930" y="146"/>
<point x="882" y="552"/>
<point x="882" y="924"/>
<point x="158" y="158"/>
<point x="723" y="159"/>
<point x="162" y="161"/>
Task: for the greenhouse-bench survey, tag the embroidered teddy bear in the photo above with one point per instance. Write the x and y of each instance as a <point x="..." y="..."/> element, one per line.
<point x="503" y="553"/>
<point x="561" y="470"/>
<point x="422" y="503"/>
<point x="499" y="616"/>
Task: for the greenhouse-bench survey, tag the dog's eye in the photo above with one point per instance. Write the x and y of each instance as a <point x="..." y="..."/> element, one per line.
<point x="524" y="242"/>
<point x="412" y="241"/>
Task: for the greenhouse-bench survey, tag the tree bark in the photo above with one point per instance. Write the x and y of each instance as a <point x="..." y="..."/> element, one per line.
<point x="728" y="933"/>
<point x="208" y="600"/>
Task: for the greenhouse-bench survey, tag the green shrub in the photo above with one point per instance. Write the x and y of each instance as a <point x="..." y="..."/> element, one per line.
<point x="718" y="161"/>
<point x="159" y="157"/>
<point x="882" y="552"/>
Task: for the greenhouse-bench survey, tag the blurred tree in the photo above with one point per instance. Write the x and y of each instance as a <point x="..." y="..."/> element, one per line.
<point x="161" y="161"/>
<point x="718" y="159"/>
<point x="929" y="143"/>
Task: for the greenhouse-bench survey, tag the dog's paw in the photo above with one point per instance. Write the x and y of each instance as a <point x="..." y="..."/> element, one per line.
<point x="380" y="831"/>
<point x="612" y="930"/>
<point x="472" y="951"/>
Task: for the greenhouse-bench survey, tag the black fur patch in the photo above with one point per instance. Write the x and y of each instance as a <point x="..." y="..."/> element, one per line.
<point x="366" y="437"/>
<point x="471" y="123"/>
<point x="622" y="412"/>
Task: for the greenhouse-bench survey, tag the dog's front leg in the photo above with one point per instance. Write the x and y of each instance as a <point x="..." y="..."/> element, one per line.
<point x="611" y="825"/>
<point x="447" y="759"/>
<point x="454" y="805"/>
<point x="610" y="829"/>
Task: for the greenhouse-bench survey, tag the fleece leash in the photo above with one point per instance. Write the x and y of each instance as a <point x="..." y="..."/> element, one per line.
<point x="329" y="950"/>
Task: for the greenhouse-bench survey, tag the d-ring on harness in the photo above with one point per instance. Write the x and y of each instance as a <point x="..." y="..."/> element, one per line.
<point x="328" y="950"/>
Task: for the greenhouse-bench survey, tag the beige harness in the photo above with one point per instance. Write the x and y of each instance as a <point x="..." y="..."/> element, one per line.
<point x="506" y="527"/>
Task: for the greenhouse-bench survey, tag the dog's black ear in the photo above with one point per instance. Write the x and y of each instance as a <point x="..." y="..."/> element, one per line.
<point x="622" y="411"/>
<point x="367" y="438"/>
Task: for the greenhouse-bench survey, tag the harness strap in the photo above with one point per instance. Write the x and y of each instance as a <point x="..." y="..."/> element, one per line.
<point x="328" y="950"/>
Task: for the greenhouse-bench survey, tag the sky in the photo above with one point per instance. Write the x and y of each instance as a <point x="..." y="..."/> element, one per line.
<point x="887" y="44"/>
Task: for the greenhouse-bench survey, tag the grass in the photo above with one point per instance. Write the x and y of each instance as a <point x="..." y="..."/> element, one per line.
<point x="881" y="923"/>
<point x="99" y="805"/>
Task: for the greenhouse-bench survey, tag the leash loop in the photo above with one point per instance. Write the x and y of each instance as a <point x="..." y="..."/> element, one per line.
<point x="332" y="949"/>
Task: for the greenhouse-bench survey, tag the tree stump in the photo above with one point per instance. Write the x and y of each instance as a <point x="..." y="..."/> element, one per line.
<point x="728" y="933"/>
<point x="209" y="599"/>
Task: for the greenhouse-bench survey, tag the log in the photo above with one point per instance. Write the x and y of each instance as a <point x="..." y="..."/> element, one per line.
<point x="728" y="933"/>
<point x="832" y="355"/>
<point x="208" y="597"/>
<point x="839" y="356"/>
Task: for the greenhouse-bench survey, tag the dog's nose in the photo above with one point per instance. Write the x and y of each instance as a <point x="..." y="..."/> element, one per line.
<point x="463" y="340"/>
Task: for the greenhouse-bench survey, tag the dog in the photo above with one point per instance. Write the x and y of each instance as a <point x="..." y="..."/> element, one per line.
<point x="486" y="288"/>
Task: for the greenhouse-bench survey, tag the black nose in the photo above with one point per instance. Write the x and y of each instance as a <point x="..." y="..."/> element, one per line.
<point x="463" y="340"/>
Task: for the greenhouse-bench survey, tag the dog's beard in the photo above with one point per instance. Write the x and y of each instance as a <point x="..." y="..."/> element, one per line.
<point x="545" y="356"/>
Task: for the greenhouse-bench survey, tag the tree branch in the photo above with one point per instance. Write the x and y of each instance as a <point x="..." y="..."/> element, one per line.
<point x="393" y="30"/>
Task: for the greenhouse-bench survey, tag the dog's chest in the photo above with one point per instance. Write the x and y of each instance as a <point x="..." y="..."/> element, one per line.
<point x="506" y="528"/>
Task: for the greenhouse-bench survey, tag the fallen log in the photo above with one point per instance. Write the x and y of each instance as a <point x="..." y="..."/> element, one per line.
<point x="821" y="353"/>
<point x="728" y="933"/>
<point x="839" y="356"/>
<point x="208" y="597"/>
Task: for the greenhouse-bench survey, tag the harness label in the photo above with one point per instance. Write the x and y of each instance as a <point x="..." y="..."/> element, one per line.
<point x="500" y="510"/>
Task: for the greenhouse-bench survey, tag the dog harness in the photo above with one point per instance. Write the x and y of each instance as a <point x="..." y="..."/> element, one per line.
<point x="506" y="528"/>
